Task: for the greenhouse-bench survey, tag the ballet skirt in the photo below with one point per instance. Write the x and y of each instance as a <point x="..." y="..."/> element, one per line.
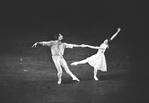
<point x="98" y="60"/>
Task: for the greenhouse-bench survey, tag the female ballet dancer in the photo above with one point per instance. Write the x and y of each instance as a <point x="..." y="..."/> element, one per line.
<point x="97" y="60"/>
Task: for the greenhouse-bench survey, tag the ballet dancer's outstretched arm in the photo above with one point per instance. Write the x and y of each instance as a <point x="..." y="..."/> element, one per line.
<point x="42" y="43"/>
<point x="92" y="47"/>
<point x="76" y="45"/>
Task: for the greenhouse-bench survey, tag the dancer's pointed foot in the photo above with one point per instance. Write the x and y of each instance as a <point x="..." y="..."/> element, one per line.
<point x="59" y="82"/>
<point x="75" y="78"/>
<point x="74" y="63"/>
<point x="96" y="78"/>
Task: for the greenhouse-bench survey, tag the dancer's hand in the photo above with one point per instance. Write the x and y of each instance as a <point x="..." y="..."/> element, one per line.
<point x="34" y="45"/>
<point x="83" y="45"/>
<point x="118" y="29"/>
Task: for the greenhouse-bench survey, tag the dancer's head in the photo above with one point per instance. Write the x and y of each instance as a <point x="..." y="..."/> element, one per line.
<point x="106" y="41"/>
<point x="58" y="36"/>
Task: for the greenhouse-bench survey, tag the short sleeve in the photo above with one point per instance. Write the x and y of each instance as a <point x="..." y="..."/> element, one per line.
<point x="68" y="45"/>
<point x="47" y="43"/>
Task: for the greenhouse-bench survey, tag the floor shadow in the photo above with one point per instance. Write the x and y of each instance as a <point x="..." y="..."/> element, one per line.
<point x="68" y="81"/>
<point x="103" y="77"/>
<point x="113" y="76"/>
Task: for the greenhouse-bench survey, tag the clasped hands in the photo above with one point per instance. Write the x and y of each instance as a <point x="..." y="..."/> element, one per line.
<point x="84" y="45"/>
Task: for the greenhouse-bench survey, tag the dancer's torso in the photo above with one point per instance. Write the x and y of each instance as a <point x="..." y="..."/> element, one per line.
<point x="57" y="47"/>
<point x="104" y="46"/>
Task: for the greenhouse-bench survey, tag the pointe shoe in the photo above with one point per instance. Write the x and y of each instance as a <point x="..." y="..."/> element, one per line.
<point x="74" y="63"/>
<point x="76" y="79"/>
<point x="59" y="82"/>
<point x="96" y="78"/>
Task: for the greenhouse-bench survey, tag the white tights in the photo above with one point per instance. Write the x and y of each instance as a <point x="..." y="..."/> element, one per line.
<point x="60" y="61"/>
<point x="83" y="62"/>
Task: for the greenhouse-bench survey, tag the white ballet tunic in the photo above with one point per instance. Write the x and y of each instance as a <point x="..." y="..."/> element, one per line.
<point x="98" y="60"/>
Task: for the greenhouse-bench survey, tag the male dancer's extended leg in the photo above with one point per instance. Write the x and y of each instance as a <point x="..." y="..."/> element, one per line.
<point x="65" y="66"/>
<point x="79" y="62"/>
<point x="59" y="69"/>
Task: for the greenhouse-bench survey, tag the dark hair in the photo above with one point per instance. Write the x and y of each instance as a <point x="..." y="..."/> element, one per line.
<point x="56" y="36"/>
<point x="109" y="40"/>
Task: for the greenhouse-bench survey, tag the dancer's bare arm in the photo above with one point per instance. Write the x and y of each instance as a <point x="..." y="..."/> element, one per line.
<point x="94" y="47"/>
<point x="82" y="45"/>
<point x="75" y="45"/>
<point x="42" y="43"/>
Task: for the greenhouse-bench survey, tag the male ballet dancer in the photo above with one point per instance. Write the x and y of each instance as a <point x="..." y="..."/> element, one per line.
<point x="97" y="60"/>
<point x="57" y="50"/>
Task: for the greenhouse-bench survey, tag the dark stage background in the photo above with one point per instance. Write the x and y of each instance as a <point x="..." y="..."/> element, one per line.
<point x="28" y="74"/>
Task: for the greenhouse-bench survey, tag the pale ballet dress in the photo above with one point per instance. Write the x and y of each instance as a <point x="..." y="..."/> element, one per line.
<point x="98" y="60"/>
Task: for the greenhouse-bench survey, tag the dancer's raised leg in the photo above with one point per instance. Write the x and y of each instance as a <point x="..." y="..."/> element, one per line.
<point x="79" y="62"/>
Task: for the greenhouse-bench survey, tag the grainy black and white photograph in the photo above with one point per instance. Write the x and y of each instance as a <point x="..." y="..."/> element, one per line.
<point x="69" y="51"/>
